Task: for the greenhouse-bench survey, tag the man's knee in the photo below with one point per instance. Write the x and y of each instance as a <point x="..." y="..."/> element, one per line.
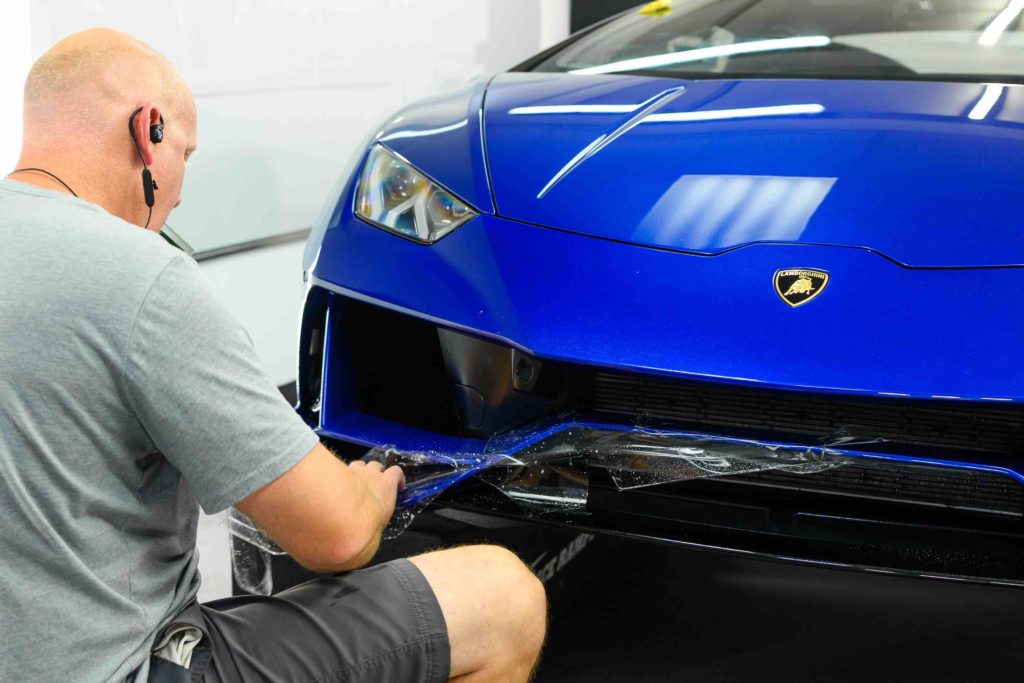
<point x="500" y="593"/>
<point x="518" y="594"/>
<point x="497" y="574"/>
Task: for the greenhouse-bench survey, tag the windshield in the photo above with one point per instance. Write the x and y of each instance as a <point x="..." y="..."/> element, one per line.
<point x="976" y="40"/>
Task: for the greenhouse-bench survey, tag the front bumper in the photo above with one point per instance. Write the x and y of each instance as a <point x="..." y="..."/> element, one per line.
<point x="501" y="325"/>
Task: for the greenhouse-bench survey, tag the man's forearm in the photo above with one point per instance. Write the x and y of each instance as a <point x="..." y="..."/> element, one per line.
<point x="371" y="514"/>
<point x="321" y="512"/>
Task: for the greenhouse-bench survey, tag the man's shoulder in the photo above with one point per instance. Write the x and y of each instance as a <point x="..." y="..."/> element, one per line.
<point x="78" y="257"/>
<point x="89" y="241"/>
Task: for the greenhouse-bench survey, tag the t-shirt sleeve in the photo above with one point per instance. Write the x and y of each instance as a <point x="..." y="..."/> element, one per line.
<point x="194" y="381"/>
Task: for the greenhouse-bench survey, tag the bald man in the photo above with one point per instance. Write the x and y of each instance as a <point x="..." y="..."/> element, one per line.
<point x="129" y="397"/>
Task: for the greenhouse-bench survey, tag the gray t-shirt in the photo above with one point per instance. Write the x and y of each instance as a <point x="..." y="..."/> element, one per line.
<point x="128" y="394"/>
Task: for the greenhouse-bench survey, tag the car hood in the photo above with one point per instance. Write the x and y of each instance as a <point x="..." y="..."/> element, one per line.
<point x="926" y="174"/>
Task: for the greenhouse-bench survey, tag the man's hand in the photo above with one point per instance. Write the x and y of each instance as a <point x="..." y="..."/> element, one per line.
<point x="384" y="484"/>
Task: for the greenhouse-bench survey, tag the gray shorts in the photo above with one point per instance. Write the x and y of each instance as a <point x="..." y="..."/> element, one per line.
<point x="377" y="624"/>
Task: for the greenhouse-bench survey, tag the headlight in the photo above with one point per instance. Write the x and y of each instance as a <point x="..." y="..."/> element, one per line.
<point x="396" y="196"/>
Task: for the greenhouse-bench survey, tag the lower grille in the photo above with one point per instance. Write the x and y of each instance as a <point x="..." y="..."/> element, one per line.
<point x="907" y="426"/>
<point x="396" y="368"/>
<point x="928" y="486"/>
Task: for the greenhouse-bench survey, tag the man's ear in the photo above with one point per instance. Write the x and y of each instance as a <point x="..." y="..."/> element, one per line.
<point x="150" y="115"/>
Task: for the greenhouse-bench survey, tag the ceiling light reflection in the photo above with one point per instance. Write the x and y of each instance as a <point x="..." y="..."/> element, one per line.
<point x="995" y="30"/>
<point x="423" y="133"/>
<point x="988" y="99"/>
<point x="713" y="212"/>
<point x="576" y="109"/>
<point x="700" y="54"/>
<point x="604" y="140"/>
<point x="746" y="113"/>
<point x="568" y="168"/>
<point x="663" y="98"/>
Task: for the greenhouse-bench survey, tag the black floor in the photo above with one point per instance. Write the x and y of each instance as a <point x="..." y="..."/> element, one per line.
<point x="654" y="613"/>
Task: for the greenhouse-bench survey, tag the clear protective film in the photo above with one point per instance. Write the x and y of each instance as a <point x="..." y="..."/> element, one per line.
<point x="428" y="474"/>
<point x="650" y="457"/>
<point x="544" y="467"/>
<point x="251" y="553"/>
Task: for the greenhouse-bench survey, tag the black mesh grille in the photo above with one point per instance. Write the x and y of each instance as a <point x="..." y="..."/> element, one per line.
<point x="939" y="426"/>
<point x="933" y="486"/>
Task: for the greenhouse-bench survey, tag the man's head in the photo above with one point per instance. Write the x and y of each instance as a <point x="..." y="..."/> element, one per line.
<point x="79" y="97"/>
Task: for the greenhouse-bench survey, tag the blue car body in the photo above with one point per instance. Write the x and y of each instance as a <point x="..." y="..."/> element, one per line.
<point x="634" y="224"/>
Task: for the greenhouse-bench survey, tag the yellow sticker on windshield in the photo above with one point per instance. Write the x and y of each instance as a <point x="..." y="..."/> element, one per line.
<point x="658" y="8"/>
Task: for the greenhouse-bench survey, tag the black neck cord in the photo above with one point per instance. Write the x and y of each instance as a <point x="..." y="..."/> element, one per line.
<point x="68" y="187"/>
<point x="43" y="170"/>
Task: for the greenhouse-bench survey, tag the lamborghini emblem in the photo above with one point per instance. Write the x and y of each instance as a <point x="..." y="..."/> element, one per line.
<point x="797" y="286"/>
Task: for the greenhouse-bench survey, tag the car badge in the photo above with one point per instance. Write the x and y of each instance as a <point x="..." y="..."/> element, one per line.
<point x="797" y="286"/>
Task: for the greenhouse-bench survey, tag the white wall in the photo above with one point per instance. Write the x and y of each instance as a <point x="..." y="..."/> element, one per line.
<point x="263" y="289"/>
<point x="555" y="21"/>
<point x="15" y="59"/>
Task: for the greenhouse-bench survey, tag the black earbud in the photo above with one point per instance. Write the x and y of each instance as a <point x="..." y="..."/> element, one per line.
<point x="156" y="136"/>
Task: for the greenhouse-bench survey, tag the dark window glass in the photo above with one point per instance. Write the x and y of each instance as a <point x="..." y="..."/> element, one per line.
<point x="897" y="39"/>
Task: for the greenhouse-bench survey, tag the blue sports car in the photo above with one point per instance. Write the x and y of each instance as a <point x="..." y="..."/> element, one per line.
<point x="737" y="274"/>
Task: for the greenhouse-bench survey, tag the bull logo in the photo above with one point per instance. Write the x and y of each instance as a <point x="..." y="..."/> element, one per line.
<point x="803" y="285"/>
<point x="797" y="286"/>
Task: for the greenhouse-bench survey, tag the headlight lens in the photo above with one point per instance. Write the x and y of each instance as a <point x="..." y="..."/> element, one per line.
<point x="396" y="196"/>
